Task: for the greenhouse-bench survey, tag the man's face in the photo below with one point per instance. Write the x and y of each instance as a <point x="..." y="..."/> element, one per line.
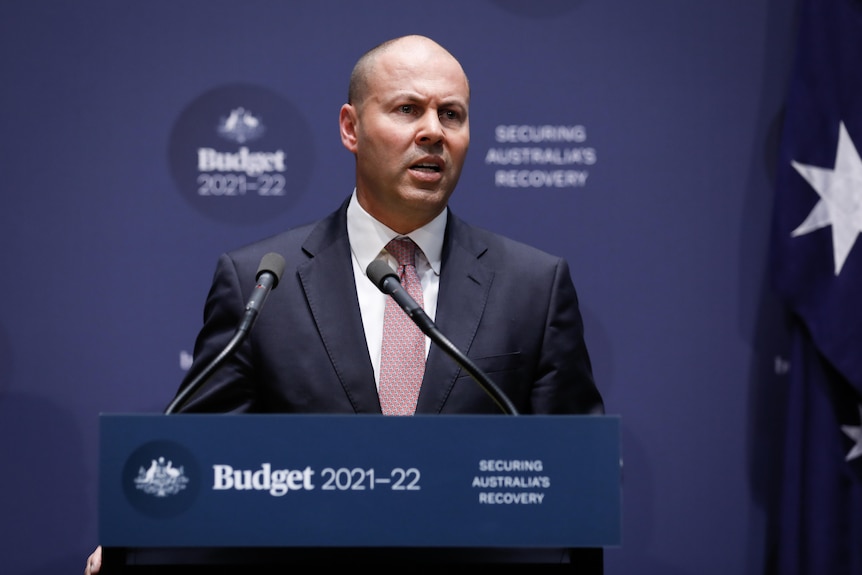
<point x="410" y="134"/>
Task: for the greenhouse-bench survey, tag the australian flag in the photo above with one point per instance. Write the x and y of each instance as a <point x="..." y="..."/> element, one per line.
<point x="817" y="270"/>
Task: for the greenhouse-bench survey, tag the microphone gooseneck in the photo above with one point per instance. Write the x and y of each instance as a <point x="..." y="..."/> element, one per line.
<point x="268" y="275"/>
<point x="386" y="280"/>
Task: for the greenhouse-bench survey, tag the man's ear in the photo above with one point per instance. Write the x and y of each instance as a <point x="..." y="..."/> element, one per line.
<point x="347" y="122"/>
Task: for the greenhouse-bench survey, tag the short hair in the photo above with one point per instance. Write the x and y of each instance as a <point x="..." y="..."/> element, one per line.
<point x="357" y="90"/>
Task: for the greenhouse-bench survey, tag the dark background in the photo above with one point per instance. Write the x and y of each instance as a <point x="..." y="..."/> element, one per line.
<point x="105" y="260"/>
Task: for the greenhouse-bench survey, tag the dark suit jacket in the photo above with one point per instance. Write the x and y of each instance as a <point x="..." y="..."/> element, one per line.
<point x="511" y="308"/>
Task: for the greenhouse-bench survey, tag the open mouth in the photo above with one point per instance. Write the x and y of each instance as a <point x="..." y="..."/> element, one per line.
<point x="429" y="165"/>
<point x="426" y="167"/>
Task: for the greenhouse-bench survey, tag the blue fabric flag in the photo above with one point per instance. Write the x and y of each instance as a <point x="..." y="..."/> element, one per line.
<point x="817" y="270"/>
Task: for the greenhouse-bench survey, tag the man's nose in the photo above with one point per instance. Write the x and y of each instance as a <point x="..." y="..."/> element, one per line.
<point x="430" y="129"/>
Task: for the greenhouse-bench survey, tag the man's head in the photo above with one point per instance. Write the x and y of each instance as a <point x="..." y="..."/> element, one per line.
<point x="406" y="121"/>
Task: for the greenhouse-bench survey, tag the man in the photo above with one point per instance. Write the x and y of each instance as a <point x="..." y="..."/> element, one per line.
<point x="510" y="307"/>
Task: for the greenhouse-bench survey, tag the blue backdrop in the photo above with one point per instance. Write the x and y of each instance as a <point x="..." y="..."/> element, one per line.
<point x="634" y="138"/>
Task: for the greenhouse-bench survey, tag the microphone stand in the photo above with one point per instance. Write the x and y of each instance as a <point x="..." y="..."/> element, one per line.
<point x="387" y="281"/>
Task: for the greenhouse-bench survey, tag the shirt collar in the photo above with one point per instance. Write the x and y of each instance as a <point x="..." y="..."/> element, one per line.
<point x="368" y="237"/>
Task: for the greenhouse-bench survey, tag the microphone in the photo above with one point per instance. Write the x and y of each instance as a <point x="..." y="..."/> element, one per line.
<point x="386" y="280"/>
<point x="268" y="275"/>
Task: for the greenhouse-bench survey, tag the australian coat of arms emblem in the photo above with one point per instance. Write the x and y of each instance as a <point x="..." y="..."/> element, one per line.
<point x="161" y="479"/>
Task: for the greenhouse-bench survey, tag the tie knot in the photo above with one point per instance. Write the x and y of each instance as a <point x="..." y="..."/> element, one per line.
<point x="403" y="250"/>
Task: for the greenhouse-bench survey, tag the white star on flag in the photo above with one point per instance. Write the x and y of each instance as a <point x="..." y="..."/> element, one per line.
<point x="855" y="433"/>
<point x="840" y="204"/>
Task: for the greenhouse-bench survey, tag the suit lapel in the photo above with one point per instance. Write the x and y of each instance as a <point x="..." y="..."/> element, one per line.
<point x="327" y="278"/>
<point x="464" y="287"/>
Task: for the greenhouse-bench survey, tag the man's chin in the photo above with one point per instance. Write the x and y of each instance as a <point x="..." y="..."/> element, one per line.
<point x="431" y="197"/>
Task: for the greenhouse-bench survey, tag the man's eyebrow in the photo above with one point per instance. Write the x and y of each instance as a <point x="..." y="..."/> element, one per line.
<point x="416" y="97"/>
<point x="406" y="95"/>
<point x="455" y="101"/>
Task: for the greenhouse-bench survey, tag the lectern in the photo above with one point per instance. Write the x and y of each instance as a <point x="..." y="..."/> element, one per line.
<point x="201" y="491"/>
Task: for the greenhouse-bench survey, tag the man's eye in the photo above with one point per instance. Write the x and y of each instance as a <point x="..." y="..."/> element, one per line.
<point x="450" y="115"/>
<point x="406" y="109"/>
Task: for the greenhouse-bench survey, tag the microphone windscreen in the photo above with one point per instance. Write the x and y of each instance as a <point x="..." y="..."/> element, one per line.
<point x="274" y="264"/>
<point x="379" y="270"/>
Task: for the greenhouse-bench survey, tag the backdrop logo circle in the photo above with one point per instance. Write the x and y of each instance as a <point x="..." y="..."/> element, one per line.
<point x="241" y="154"/>
<point x="161" y="479"/>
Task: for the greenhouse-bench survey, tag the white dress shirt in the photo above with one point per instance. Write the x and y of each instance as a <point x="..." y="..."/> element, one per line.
<point x="368" y="238"/>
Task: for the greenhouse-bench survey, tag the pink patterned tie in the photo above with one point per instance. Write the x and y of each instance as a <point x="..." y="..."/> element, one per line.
<point x="402" y="362"/>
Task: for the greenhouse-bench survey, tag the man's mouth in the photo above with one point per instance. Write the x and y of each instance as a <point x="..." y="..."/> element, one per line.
<point x="428" y="164"/>
<point x="426" y="167"/>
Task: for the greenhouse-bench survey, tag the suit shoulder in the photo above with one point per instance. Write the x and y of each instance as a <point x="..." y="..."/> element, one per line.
<point x="498" y="248"/>
<point x="287" y="240"/>
<point x="246" y="258"/>
<point x="299" y="243"/>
